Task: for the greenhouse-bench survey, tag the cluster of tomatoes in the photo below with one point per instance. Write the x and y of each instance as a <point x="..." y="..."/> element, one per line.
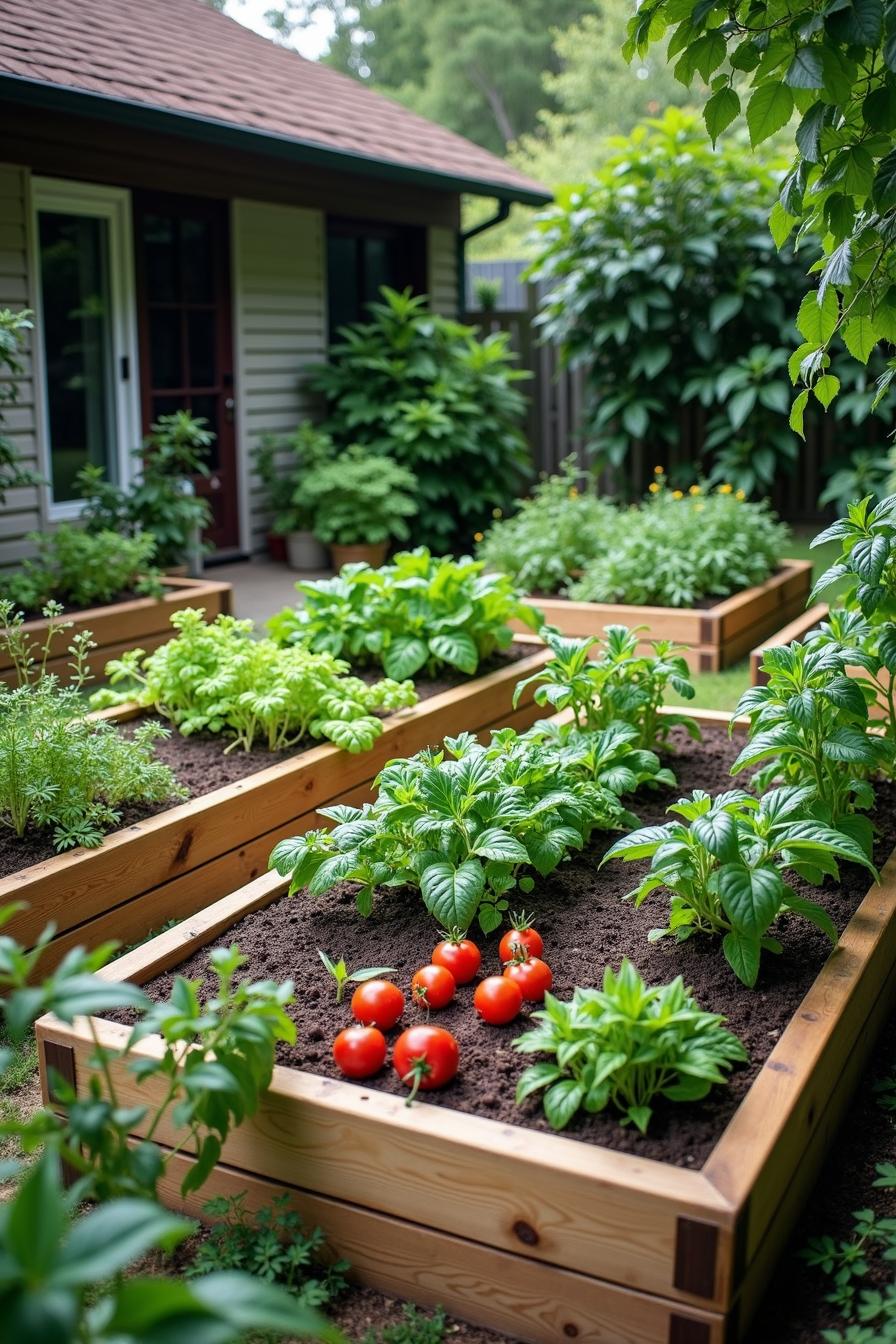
<point x="427" y="1056"/>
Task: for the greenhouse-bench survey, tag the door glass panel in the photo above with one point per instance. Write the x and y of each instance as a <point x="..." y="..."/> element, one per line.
<point x="75" y="329"/>
<point x="197" y="261"/>
<point x="206" y="408"/>
<point x="160" y="242"/>
<point x="164" y="348"/>
<point x="201" y="333"/>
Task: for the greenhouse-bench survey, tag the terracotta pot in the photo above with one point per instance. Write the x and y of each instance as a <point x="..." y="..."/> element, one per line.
<point x="277" y="547"/>
<point x="374" y="555"/>
<point x="304" y="551"/>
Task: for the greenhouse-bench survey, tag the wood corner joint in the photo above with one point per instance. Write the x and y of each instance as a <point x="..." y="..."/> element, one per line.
<point x="61" y="1060"/>
<point x="696" y="1253"/>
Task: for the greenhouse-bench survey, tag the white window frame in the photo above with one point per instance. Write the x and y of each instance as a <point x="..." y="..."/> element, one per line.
<point x="112" y="204"/>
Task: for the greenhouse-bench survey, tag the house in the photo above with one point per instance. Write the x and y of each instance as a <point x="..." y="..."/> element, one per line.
<point x="190" y="210"/>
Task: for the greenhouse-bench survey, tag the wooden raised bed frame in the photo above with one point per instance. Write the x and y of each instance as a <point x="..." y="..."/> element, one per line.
<point x="539" y="1235"/>
<point x="713" y="638"/>
<point x="142" y="622"/>
<point x="175" y="863"/>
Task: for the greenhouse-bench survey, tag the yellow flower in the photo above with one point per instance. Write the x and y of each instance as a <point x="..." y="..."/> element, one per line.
<point x="741" y="495"/>
<point x="694" y="490"/>
<point x="658" y="471"/>
<point x="573" y="492"/>
<point x="499" y="513"/>
<point x="653" y="488"/>
<point x="725" y="489"/>
<point x="678" y="494"/>
<point x="478" y="536"/>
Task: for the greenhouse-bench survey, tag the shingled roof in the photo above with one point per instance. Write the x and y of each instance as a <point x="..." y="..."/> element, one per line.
<point x="182" y="67"/>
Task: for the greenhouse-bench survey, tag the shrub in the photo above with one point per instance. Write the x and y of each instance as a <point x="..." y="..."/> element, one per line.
<point x="219" y="679"/>
<point x="80" y="568"/>
<point x="283" y="463"/>
<point x="622" y="1046"/>
<point x="422" y="389"/>
<point x="418" y="613"/>
<point x="678" y="549"/>
<point x="553" y="533"/>
<point x="359" y="499"/>
<point x="59" y="772"/>
<point x="664" y="281"/>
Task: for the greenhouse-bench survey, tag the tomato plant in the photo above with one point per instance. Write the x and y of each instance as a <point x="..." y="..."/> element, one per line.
<point x="520" y="934"/>
<point x="425" y="1058"/>
<point x="531" y="974"/>
<point x="360" y="1052"/>
<point x="433" y="987"/>
<point x="497" y="1000"/>
<point x="458" y="955"/>
<point x="378" y="1003"/>
<point x="343" y="976"/>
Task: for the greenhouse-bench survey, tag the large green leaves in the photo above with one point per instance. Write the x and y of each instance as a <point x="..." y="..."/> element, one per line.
<point x="452" y="895"/>
<point x="770" y="107"/>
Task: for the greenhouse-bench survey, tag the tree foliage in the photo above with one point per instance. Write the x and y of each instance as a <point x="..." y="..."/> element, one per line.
<point x="826" y="69"/>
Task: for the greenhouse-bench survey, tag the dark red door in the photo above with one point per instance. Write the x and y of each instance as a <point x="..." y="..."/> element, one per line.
<point x="186" y="347"/>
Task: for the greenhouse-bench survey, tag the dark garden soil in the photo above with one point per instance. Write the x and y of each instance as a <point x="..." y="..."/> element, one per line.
<point x="71" y="611"/>
<point x="200" y="764"/>
<point x="585" y="926"/>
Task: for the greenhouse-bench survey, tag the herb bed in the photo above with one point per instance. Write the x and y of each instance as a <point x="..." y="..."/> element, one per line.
<point x="541" y="1235"/>
<point x="712" y="637"/>
<point x="171" y="864"/>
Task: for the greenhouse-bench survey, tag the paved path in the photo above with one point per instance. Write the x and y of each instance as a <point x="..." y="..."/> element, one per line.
<point x="261" y="586"/>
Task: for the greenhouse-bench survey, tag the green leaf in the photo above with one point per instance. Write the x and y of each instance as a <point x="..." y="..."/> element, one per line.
<point x="723" y="308"/>
<point x="751" y="897"/>
<point x="501" y="845"/>
<point x="561" y="1101"/>
<point x="826" y="389"/>
<point x="797" y="411"/>
<point x="879" y="108"/>
<point x="108" y="1238"/>
<point x="780" y="224"/>
<point x="808" y="133"/>
<point x="859" y="337"/>
<point x="884" y="190"/>
<point x="247" y="1303"/>
<point x="719" y="111"/>
<point x="457" y="648"/>
<point x="742" y="954"/>
<point x="717" y="832"/>
<point x="36" y="1219"/>
<point x="452" y="894"/>
<point x="404" y="656"/>
<point x="817" y="317"/>
<point x="770" y="107"/>
<point x="804" y="72"/>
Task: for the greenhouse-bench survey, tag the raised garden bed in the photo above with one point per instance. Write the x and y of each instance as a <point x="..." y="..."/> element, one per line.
<point x="542" y="1236"/>
<point x="143" y="622"/>
<point x="713" y="637"/>
<point x="174" y="863"/>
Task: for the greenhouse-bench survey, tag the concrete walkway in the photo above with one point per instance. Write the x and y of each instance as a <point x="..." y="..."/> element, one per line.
<point x="261" y="586"/>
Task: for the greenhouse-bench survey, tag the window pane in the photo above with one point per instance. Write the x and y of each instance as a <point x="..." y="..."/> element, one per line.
<point x="160" y="251"/>
<point x="76" y="334"/>
<point x="379" y="269"/>
<point x="164" y="348"/>
<point x="197" y="253"/>
<point x="201" y="324"/>
<point x="342" y="282"/>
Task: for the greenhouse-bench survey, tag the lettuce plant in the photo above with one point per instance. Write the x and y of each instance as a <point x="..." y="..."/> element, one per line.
<point x="809" y="727"/>
<point x="620" y="685"/>
<point x="725" y="870"/>
<point x="217" y="678"/>
<point x="462" y="825"/>
<point x="419" y="614"/>
<point x="622" y="1046"/>
<point x="79" y="568"/>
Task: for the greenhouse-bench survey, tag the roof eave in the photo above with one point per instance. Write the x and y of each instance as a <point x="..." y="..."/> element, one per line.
<point x="188" y="125"/>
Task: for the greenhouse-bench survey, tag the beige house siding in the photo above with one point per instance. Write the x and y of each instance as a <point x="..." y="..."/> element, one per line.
<point x="21" y="512"/>
<point x="442" y="280"/>
<point x="280" y="327"/>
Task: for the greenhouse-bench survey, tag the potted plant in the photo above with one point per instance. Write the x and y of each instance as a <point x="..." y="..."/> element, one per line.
<point x="283" y="462"/>
<point x="360" y="502"/>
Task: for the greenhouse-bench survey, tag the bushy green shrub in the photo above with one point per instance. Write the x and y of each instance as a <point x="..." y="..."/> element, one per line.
<point x="554" y="532"/>
<point x="80" y="568"/>
<point x="283" y="463"/>
<point x="359" y="498"/>
<point x="419" y="613"/>
<point x="424" y="390"/>
<point x="219" y="679"/>
<point x="679" y="548"/>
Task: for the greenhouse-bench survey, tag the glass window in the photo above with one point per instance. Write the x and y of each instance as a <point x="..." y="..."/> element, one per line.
<point x="361" y="258"/>
<point x="75" y="327"/>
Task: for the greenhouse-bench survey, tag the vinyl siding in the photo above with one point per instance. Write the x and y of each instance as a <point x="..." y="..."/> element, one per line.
<point x="20" y="513"/>
<point x="442" y="282"/>
<point x="280" y="324"/>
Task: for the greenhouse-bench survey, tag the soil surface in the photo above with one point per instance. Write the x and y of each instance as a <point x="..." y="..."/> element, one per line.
<point x="585" y="926"/>
<point x="201" y="765"/>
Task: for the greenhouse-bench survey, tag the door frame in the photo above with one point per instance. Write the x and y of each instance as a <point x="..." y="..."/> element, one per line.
<point x="218" y="211"/>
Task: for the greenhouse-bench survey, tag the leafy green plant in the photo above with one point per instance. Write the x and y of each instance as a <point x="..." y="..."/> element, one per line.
<point x="725" y="871"/>
<point x="271" y="1244"/>
<point x="552" y="534"/>
<point x="360" y="498"/>
<point x="175" y="449"/>
<point x="413" y="1328"/>
<point x="809" y="727"/>
<point x="867" y="471"/>
<point x="13" y="327"/>
<point x="60" y="772"/>
<point x="282" y="462"/>
<point x="487" y="292"/>
<point x="867" y="566"/>
<point x="422" y="389"/>
<point x="867" y="645"/>
<point x="79" y="568"/>
<point x="610" y="757"/>
<point x="418" y="614"/>
<point x="343" y="976"/>
<point x="679" y="548"/>
<point x="622" y="1046"/>
<point x="461" y="825"/>
<point x="218" y="678"/>
<point x="620" y="685"/>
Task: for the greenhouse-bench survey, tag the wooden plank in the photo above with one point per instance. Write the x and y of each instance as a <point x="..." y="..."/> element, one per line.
<point x="765" y="601"/>
<point x="740" y="645"/>
<point x="535" y="1303"/>
<point x="589" y="618"/>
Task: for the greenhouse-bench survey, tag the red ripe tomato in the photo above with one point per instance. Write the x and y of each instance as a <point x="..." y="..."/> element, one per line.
<point x="520" y="934"/>
<point x="360" y="1052"/>
<point x="433" y="987"/>
<point x="497" y="1000"/>
<point x="425" y="1057"/>
<point x="459" y="956"/>
<point x="378" y="1003"/>
<point x="532" y="975"/>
